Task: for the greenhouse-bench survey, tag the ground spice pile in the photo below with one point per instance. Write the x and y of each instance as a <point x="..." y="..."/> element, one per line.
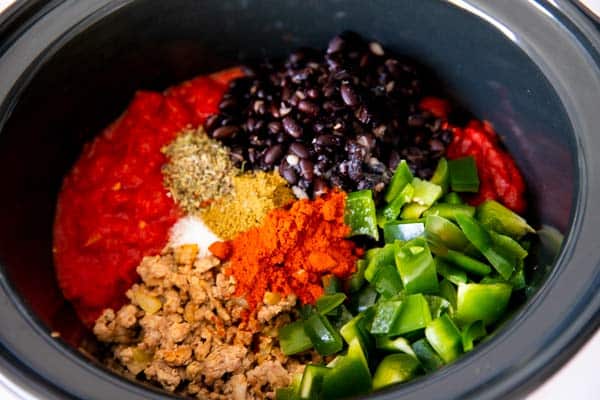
<point x="199" y="170"/>
<point x="291" y="250"/>
<point x="254" y="195"/>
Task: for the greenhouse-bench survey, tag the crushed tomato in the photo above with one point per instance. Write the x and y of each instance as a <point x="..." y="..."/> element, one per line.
<point x="113" y="208"/>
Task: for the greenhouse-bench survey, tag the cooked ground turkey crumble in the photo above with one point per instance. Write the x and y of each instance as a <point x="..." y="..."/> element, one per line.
<point x="184" y="330"/>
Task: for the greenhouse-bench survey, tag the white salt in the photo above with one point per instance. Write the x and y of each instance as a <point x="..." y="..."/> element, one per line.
<point x="191" y="230"/>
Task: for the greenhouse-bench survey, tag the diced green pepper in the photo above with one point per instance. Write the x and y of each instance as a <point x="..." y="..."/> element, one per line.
<point x="387" y="282"/>
<point x="416" y="267"/>
<point x="286" y="393"/>
<point x="293" y="339"/>
<point x="413" y="211"/>
<point x="448" y="292"/>
<point x="395" y="368"/>
<point x="384" y="256"/>
<point x="360" y="214"/>
<point x="425" y="193"/>
<point x="463" y="175"/>
<point x="452" y="198"/>
<point x="386" y="313"/>
<point x="450" y="272"/>
<point x="402" y="177"/>
<point x="517" y="280"/>
<point x="441" y="176"/>
<point x="312" y="381"/>
<point x="471" y="333"/>
<point x="438" y="305"/>
<point x="508" y="245"/>
<point x="429" y="359"/>
<point x="441" y="231"/>
<point x="331" y="284"/>
<point x="444" y="337"/>
<point x="467" y="263"/>
<point x="450" y="211"/>
<point x="357" y="328"/>
<point x="357" y="279"/>
<point x="496" y="217"/>
<point x="363" y="299"/>
<point x="396" y="345"/>
<point x="329" y="302"/>
<point x="414" y="314"/>
<point x="323" y="336"/>
<point x="353" y="369"/>
<point x="503" y="262"/>
<point x="403" y="231"/>
<point x="482" y="302"/>
<point x="391" y="211"/>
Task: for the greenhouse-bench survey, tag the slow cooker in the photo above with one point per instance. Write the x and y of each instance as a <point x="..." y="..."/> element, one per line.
<point x="531" y="68"/>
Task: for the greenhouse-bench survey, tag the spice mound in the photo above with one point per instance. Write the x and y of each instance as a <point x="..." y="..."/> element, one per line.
<point x="292" y="250"/>
<point x="199" y="170"/>
<point x="184" y="330"/>
<point x="253" y="196"/>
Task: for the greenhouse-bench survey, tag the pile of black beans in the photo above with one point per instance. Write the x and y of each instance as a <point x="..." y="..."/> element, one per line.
<point x="343" y="118"/>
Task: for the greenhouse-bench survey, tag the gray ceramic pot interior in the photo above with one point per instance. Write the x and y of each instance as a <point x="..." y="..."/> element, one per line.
<point x="531" y="69"/>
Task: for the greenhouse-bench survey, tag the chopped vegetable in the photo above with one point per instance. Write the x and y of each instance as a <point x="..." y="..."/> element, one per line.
<point x="444" y="337"/>
<point x="312" y="381"/>
<point x="440" y="231"/>
<point x="402" y="230"/>
<point x="402" y="177"/>
<point x="463" y="175"/>
<point x="413" y="211"/>
<point x="429" y="359"/>
<point x="351" y="368"/>
<point x="467" y="263"/>
<point x="386" y="314"/>
<point x="425" y="193"/>
<point x="454" y="275"/>
<point x="395" y="368"/>
<point x="329" y="302"/>
<point x="384" y="256"/>
<point x="450" y="211"/>
<point x="495" y="216"/>
<point x="441" y="176"/>
<point x="482" y="302"/>
<point x="416" y="267"/>
<point x="471" y="333"/>
<point x="323" y="336"/>
<point x="293" y="339"/>
<point x="387" y="282"/>
<point x="360" y="214"/>
<point x="391" y="211"/>
<point x="414" y="314"/>
<point x="399" y="344"/>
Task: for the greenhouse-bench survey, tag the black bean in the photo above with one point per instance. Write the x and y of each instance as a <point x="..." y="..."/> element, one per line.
<point x="288" y="173"/>
<point x="275" y="127"/>
<point x="319" y="186"/>
<point x="299" y="149"/>
<point x="436" y="145"/>
<point x="225" y="132"/>
<point x="348" y="94"/>
<point x="274" y="154"/>
<point x="328" y="140"/>
<point x="308" y="107"/>
<point x="306" y="169"/>
<point x="211" y="122"/>
<point x="292" y="128"/>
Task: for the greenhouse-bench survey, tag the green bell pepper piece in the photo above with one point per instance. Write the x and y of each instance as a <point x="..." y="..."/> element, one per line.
<point x="403" y="231"/>
<point x="444" y="337"/>
<point x="386" y="313"/>
<point x="331" y="284"/>
<point x="357" y="328"/>
<point x="448" y="292"/>
<point x="450" y="211"/>
<point x="441" y="231"/>
<point x="413" y="211"/>
<point x="323" y="336"/>
<point x="357" y="279"/>
<point x="387" y="282"/>
<point x="391" y="211"/>
<point x="414" y="315"/>
<point x="397" y="345"/>
<point x="329" y="302"/>
<point x="471" y="333"/>
<point x="312" y="381"/>
<point x="441" y="176"/>
<point x="508" y="245"/>
<point x="360" y="214"/>
<point x="384" y="256"/>
<point x="425" y="193"/>
<point x="402" y="177"/>
<point x="518" y="280"/>
<point x="350" y="376"/>
<point x="481" y="302"/>
<point x="293" y="339"/>
<point x="463" y="175"/>
<point x="496" y="217"/>
<point x="453" y="198"/>
<point x="500" y="259"/>
<point x="465" y="262"/>
<point x="395" y="368"/>
<point x="363" y="299"/>
<point x="286" y="393"/>
<point x="429" y="359"/>
<point x="438" y="305"/>
<point x="453" y="274"/>
<point x="416" y="267"/>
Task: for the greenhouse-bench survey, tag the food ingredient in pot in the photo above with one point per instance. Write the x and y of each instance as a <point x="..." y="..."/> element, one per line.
<point x="343" y="117"/>
<point x="291" y="250"/>
<point x="113" y="208"/>
<point x="199" y="170"/>
<point x="192" y="230"/>
<point x="183" y="330"/>
<point x="254" y="195"/>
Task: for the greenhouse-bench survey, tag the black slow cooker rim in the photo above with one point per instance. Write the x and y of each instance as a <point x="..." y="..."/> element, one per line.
<point x="26" y="13"/>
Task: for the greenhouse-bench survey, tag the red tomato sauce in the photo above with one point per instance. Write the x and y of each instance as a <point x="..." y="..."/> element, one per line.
<point x="113" y="208"/>
<point x="499" y="177"/>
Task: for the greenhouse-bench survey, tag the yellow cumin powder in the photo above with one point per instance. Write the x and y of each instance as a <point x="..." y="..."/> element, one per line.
<point x="254" y="195"/>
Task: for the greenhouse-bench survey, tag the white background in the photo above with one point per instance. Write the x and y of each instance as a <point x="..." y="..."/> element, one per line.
<point x="579" y="379"/>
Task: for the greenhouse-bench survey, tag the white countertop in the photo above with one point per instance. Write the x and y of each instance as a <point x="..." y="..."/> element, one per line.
<point x="578" y="379"/>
